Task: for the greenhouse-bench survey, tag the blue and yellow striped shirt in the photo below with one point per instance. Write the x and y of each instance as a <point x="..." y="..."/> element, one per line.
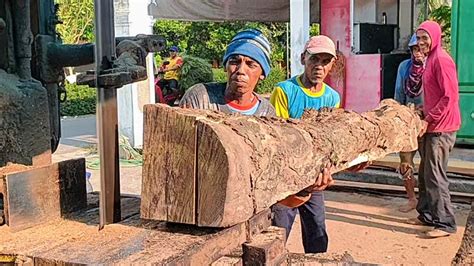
<point x="290" y="98"/>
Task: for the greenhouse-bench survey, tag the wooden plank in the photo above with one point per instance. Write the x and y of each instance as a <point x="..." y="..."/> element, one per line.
<point x="153" y="204"/>
<point x="465" y="254"/>
<point x="258" y="223"/>
<point x="215" y="168"/>
<point x="213" y="248"/>
<point x="4" y="207"/>
<point x="132" y="241"/>
<point x="228" y="261"/>
<point x="168" y="184"/>
<point x="268" y="248"/>
<point x="72" y="184"/>
<point x="220" y="10"/>
<point x="181" y="181"/>
<point x="233" y="258"/>
<point x="454" y="166"/>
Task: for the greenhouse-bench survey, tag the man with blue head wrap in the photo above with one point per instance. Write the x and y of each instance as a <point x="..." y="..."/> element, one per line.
<point x="246" y="62"/>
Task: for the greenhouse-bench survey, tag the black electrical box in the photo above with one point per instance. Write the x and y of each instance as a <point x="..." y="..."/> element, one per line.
<point x="372" y="38"/>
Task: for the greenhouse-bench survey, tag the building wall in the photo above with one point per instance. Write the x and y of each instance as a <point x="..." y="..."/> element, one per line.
<point x="130" y="20"/>
<point x="364" y="11"/>
<point x="363" y="82"/>
<point x="390" y="8"/>
<point x="121" y="8"/>
<point x="360" y="90"/>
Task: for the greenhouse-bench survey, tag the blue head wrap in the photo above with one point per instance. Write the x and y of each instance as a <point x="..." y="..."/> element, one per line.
<point x="251" y="43"/>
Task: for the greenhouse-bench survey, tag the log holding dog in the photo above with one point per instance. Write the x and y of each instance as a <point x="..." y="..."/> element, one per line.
<point x="212" y="169"/>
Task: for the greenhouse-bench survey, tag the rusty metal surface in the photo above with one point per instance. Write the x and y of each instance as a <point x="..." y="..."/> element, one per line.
<point x="23" y="37"/>
<point x="32" y="197"/>
<point x="3" y="38"/>
<point x="113" y="80"/>
<point x="129" y="66"/>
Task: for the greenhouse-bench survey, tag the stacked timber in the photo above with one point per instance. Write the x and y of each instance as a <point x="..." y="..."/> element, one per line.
<point x="211" y="169"/>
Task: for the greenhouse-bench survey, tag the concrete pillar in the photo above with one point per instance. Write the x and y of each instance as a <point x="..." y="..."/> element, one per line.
<point x="132" y="19"/>
<point x="299" y="28"/>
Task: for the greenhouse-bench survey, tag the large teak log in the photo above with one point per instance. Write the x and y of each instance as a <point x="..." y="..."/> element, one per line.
<point x="212" y="169"/>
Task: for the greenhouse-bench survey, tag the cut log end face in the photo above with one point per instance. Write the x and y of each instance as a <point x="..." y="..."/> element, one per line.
<point x="244" y="164"/>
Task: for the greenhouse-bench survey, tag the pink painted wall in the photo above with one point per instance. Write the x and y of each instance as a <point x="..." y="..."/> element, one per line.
<point x="335" y="23"/>
<point x="360" y="89"/>
<point x="363" y="82"/>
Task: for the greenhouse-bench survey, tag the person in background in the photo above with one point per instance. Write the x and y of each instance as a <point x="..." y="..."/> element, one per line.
<point x="409" y="90"/>
<point x="290" y="98"/>
<point x="172" y="70"/>
<point x="443" y="118"/>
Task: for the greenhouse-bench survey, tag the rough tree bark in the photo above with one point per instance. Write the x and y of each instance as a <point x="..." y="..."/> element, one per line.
<point x="465" y="254"/>
<point x="211" y="169"/>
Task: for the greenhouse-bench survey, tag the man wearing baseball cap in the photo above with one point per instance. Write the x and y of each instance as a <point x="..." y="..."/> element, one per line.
<point x="290" y="98"/>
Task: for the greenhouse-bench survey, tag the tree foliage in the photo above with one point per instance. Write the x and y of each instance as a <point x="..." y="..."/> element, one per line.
<point x="194" y="70"/>
<point x="439" y="11"/>
<point x="442" y="15"/>
<point x="208" y="40"/>
<point x="77" y="21"/>
<point x="81" y="100"/>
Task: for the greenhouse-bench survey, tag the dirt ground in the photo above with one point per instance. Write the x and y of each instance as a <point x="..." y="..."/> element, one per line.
<point x="370" y="228"/>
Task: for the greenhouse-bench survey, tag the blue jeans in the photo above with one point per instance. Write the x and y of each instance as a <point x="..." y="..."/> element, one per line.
<point x="313" y="222"/>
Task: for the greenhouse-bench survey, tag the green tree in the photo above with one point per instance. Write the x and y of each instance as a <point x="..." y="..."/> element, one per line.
<point x="442" y="15"/>
<point x="208" y="40"/>
<point x="439" y="11"/>
<point x="78" y="21"/>
<point x="174" y="32"/>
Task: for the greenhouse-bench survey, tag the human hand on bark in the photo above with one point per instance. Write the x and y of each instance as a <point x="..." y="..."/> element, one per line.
<point x="323" y="180"/>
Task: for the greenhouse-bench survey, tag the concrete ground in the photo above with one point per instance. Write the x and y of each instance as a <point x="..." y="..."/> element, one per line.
<point x="368" y="227"/>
